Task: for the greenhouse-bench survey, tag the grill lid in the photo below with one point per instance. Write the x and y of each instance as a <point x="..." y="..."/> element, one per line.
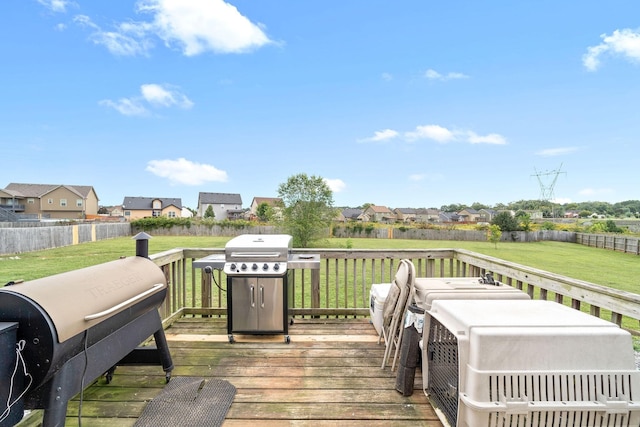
<point x="259" y="247"/>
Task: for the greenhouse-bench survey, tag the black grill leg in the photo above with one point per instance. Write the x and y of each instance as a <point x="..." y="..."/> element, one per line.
<point x="55" y="410"/>
<point x="163" y="350"/>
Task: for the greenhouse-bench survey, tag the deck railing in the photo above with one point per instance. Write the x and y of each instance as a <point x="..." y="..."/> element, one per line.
<point x="341" y="286"/>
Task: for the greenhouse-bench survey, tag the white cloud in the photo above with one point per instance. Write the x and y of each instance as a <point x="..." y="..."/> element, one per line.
<point x="434" y="75"/>
<point x="204" y="25"/>
<point x="55" y="5"/>
<point x="387" y="77"/>
<point x="552" y="152"/>
<point x="439" y="134"/>
<point x="561" y="200"/>
<point x="625" y="43"/>
<point x="192" y="26"/>
<point x="434" y="132"/>
<point x="380" y="136"/>
<point x="126" y="106"/>
<point x="163" y="96"/>
<point x="118" y="42"/>
<point x="492" y="138"/>
<point x="152" y="95"/>
<point x="183" y="171"/>
<point x="417" y="177"/>
<point x="336" y="185"/>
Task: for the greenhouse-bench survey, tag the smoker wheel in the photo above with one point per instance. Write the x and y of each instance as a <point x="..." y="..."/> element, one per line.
<point x="287" y="339"/>
<point x="231" y="339"/>
<point x="109" y="374"/>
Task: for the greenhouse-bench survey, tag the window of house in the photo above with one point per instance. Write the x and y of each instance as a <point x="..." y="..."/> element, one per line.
<point x="50" y="201"/>
<point x="171" y="214"/>
<point x="156" y="214"/>
<point x="31" y="201"/>
<point x="79" y="203"/>
<point x="63" y="202"/>
<point x="157" y="204"/>
<point x="127" y="213"/>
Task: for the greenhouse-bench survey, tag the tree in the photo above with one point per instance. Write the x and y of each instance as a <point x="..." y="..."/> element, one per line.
<point x="524" y="219"/>
<point x="506" y="222"/>
<point x="209" y="212"/>
<point x="308" y="208"/>
<point x="494" y="234"/>
<point x="264" y="212"/>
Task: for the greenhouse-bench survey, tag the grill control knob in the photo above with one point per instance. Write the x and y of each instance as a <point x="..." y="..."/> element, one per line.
<point x="265" y="266"/>
<point x="276" y="267"/>
<point x="243" y="267"/>
<point x="254" y="267"/>
<point x="233" y="266"/>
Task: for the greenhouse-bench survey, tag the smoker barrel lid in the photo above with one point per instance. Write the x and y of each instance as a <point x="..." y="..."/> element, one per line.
<point x="78" y="299"/>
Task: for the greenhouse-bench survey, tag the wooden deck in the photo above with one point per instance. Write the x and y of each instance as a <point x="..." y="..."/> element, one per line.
<point x="329" y="375"/>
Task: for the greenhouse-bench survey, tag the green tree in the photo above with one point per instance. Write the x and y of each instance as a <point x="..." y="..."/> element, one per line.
<point x="308" y="208"/>
<point x="209" y="212"/>
<point x="506" y="222"/>
<point x="524" y="219"/>
<point x="494" y="234"/>
<point x="264" y="211"/>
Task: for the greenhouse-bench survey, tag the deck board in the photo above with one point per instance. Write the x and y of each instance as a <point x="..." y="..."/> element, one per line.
<point x="329" y="375"/>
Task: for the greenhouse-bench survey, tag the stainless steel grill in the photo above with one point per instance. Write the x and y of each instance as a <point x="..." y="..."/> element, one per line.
<point x="258" y="269"/>
<point x="257" y="284"/>
<point x="74" y="327"/>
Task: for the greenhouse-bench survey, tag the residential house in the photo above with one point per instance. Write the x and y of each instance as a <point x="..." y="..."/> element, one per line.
<point x="49" y="201"/>
<point x="427" y="215"/>
<point x="449" y="217"/>
<point x="379" y="214"/>
<point x="468" y="215"/>
<point x="274" y="202"/>
<point x="487" y="215"/>
<point x="572" y="214"/>
<point x="144" y="207"/>
<point x="224" y="205"/>
<point x="405" y="214"/>
<point x="350" y="214"/>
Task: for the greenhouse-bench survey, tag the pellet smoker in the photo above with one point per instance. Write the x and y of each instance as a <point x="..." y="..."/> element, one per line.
<point x="71" y="328"/>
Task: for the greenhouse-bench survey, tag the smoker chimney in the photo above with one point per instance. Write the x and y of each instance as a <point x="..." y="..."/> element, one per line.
<point x="142" y="244"/>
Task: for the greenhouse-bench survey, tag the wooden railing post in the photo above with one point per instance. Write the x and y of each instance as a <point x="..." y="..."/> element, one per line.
<point x="315" y="288"/>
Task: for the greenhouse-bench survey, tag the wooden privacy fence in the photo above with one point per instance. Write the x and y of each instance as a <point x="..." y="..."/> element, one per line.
<point x="614" y="242"/>
<point x="16" y="240"/>
<point x="341" y="286"/>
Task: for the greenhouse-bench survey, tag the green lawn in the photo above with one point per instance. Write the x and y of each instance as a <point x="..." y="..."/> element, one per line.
<point x="603" y="267"/>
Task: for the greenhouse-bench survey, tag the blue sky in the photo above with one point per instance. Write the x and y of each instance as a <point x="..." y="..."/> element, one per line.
<point x="405" y="104"/>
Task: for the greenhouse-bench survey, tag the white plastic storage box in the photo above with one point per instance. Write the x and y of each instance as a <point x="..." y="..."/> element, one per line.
<point x="377" y="297"/>
<point x="434" y="288"/>
<point x="498" y="363"/>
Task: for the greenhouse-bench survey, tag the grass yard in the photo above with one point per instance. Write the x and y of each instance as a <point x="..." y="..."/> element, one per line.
<point x="608" y="268"/>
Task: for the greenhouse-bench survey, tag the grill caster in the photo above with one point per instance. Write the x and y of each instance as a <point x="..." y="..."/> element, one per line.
<point x="167" y="377"/>
<point x="231" y="339"/>
<point x="287" y="339"/>
<point x="291" y="321"/>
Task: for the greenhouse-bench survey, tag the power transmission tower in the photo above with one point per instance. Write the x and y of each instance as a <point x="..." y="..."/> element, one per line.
<point x="546" y="191"/>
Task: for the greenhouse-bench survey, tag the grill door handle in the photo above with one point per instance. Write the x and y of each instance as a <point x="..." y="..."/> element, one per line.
<point x="252" y="290"/>
<point x="130" y="301"/>
<point x="261" y="296"/>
